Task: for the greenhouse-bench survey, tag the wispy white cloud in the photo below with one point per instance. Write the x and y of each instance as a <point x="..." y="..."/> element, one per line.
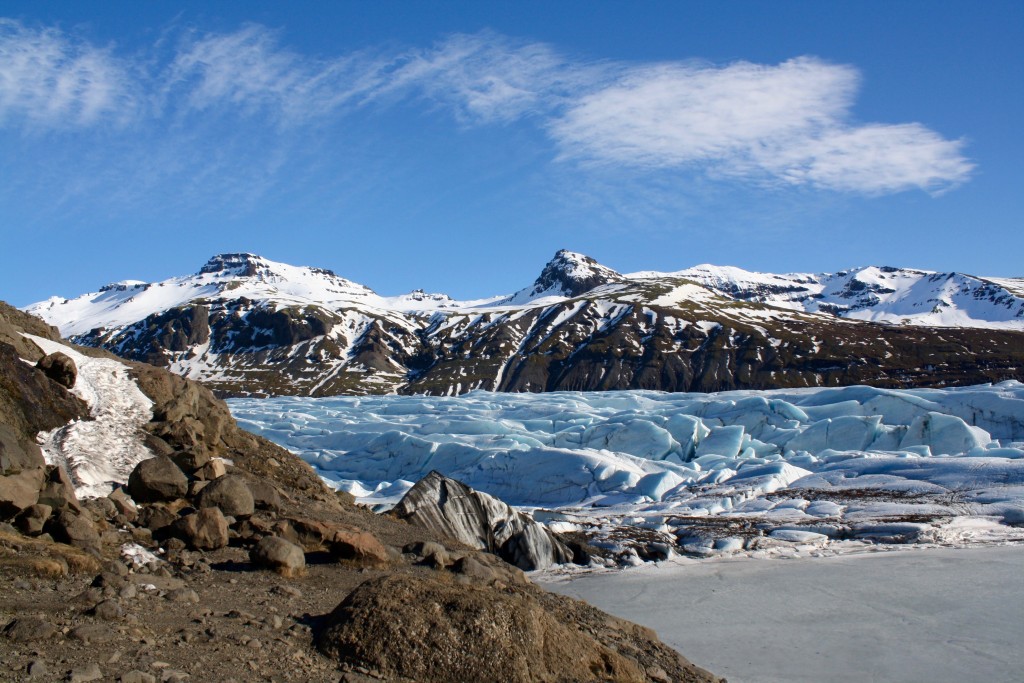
<point x="50" y="80"/>
<point x="488" y="77"/>
<point x="250" y="70"/>
<point x="784" y="125"/>
<point x="872" y="159"/>
<point x="673" y="114"/>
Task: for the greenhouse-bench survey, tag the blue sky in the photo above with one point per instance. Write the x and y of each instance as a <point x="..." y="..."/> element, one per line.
<point x="456" y="146"/>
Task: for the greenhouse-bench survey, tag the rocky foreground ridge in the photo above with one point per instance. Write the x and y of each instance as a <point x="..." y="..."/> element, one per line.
<point x="244" y="325"/>
<point x="223" y="557"/>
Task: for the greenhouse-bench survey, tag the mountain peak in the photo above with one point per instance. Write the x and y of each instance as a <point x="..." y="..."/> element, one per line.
<point x="239" y="265"/>
<point x="572" y="274"/>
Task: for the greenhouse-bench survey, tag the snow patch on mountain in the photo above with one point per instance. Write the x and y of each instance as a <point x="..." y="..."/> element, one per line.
<point x="899" y="296"/>
<point x="879" y="294"/>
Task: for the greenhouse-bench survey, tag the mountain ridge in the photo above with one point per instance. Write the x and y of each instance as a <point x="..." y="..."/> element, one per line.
<point x="246" y="325"/>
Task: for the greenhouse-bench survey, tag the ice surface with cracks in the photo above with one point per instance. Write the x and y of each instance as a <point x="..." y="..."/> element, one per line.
<point x="797" y="466"/>
<point x="104" y="450"/>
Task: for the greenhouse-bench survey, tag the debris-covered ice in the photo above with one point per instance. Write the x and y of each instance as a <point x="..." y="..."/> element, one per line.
<point x="709" y="472"/>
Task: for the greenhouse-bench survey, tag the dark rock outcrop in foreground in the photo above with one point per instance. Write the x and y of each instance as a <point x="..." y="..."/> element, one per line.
<point x="481" y="521"/>
<point x="474" y="633"/>
<point x="30" y="402"/>
<point x="192" y="600"/>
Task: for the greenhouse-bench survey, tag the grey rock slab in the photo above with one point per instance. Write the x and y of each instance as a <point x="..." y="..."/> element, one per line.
<point x="84" y="674"/>
<point x="25" y="629"/>
<point x="481" y="521"/>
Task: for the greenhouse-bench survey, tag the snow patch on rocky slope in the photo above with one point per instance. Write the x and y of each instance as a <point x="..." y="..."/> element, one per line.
<point x="103" y="451"/>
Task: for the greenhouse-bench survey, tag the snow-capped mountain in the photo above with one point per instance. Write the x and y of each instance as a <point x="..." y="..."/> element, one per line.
<point x="568" y="274"/>
<point x="248" y="325"/>
<point x="885" y="294"/>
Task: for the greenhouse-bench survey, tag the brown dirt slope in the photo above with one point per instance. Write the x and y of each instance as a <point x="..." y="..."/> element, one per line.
<point x="358" y="611"/>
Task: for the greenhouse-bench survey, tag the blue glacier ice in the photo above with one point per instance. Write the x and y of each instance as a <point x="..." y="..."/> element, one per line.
<point x="955" y="451"/>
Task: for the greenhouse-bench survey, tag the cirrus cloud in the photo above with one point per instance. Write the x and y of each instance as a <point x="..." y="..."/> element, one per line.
<point x="48" y="79"/>
<point x="782" y="125"/>
<point x="786" y="124"/>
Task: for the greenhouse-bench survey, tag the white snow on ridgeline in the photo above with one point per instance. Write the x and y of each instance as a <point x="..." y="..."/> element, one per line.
<point x="890" y="295"/>
<point x="881" y="294"/>
<point x="567" y="275"/>
<point x="99" y="452"/>
<point x="229" y="277"/>
<point x="854" y="462"/>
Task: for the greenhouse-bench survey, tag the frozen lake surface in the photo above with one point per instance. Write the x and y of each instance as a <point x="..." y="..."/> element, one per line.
<point x="929" y="616"/>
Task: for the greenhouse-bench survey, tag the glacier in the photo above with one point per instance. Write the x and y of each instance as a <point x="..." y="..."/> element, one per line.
<point x="739" y="471"/>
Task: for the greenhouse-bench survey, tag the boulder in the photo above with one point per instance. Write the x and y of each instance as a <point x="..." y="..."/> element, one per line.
<point x="101" y="508"/>
<point x="359" y="548"/>
<point x="283" y="557"/>
<point x="265" y="495"/>
<point x="157" y="479"/>
<point x="58" y="491"/>
<point x="311" y="535"/>
<point x="60" y="368"/>
<point x="32" y="519"/>
<point x="213" y="469"/>
<point x="75" y="530"/>
<point x="17" y="454"/>
<point x="19" y="491"/>
<point x="156" y="516"/>
<point x="486" y="570"/>
<point x="431" y="554"/>
<point x="231" y="494"/>
<point x="452" y="632"/>
<point x="124" y="504"/>
<point x="191" y="460"/>
<point x="27" y="629"/>
<point x="481" y="521"/>
<point x="206" y="529"/>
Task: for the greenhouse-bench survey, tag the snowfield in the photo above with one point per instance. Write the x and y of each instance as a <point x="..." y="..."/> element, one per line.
<point x="101" y="452"/>
<point x="812" y="471"/>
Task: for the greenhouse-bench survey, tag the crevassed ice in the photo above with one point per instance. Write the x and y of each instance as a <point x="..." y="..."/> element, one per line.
<point x="697" y="454"/>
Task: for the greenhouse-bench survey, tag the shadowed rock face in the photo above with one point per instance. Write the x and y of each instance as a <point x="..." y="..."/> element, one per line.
<point x="481" y="521"/>
<point x="578" y="346"/>
<point x="30" y="402"/>
<point x="575" y="345"/>
<point x="570" y="274"/>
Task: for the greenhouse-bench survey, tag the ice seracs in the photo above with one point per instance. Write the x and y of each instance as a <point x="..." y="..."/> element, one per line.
<point x="856" y="463"/>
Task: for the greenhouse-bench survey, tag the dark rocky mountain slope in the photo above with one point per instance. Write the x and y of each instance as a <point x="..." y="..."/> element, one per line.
<point x="247" y="326"/>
